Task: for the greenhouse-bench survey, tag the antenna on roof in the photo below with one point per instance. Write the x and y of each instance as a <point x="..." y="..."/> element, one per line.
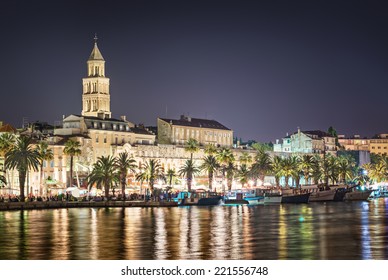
<point x="166" y="111"/>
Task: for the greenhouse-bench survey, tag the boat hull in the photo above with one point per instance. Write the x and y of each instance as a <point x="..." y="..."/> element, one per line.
<point x="272" y="199"/>
<point x="326" y="195"/>
<point x="235" y="201"/>
<point x="254" y="200"/>
<point x="208" y="201"/>
<point x="296" y="198"/>
<point x="357" y="195"/>
<point x="340" y="194"/>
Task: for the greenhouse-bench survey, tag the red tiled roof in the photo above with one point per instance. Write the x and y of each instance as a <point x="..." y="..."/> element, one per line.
<point x="7" y="128"/>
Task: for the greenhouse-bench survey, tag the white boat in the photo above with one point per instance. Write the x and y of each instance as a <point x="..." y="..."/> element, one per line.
<point x="253" y="196"/>
<point x="271" y="198"/>
<point x="358" y="193"/>
<point x="319" y="193"/>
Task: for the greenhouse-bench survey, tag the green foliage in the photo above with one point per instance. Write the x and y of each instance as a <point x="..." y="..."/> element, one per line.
<point x="22" y="157"/>
<point x="192" y="146"/>
<point x="104" y="174"/>
<point x="188" y="170"/>
<point x="124" y="163"/>
<point x="151" y="171"/>
<point x="211" y="166"/>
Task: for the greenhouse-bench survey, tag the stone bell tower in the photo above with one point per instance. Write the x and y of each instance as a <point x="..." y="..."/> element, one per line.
<point x="95" y="94"/>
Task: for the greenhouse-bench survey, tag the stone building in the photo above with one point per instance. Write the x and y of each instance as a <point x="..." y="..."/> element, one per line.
<point x="376" y="145"/>
<point x="172" y="131"/>
<point x="310" y="142"/>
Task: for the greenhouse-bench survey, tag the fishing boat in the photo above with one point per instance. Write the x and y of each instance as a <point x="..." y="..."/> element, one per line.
<point x="198" y="197"/>
<point x="295" y="196"/>
<point x="235" y="197"/>
<point x="254" y="196"/>
<point x="271" y="198"/>
<point x="357" y="193"/>
<point x="340" y="191"/>
<point x="319" y="193"/>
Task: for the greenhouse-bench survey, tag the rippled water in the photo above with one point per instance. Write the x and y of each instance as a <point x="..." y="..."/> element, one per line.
<point x="335" y="230"/>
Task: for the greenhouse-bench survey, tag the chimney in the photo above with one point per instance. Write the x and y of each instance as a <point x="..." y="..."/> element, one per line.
<point x="124" y="118"/>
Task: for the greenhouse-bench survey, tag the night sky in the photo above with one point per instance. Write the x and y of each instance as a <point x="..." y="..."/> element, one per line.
<point x="261" y="68"/>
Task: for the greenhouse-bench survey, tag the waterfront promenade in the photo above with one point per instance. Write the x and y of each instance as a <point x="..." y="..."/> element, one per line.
<point x="30" y="205"/>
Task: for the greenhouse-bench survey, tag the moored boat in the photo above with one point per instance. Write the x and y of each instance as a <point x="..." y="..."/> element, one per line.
<point x="357" y="193"/>
<point x="271" y="198"/>
<point x="319" y="193"/>
<point x="340" y="192"/>
<point x="235" y="197"/>
<point x="254" y="196"/>
<point x="295" y="196"/>
<point x="199" y="198"/>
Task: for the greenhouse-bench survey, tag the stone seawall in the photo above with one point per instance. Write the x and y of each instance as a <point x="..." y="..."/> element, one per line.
<point x="80" y="204"/>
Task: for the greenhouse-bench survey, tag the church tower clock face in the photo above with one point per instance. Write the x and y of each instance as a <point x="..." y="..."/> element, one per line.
<point x="95" y="94"/>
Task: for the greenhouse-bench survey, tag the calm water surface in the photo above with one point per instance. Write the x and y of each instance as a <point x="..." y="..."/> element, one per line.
<point x="335" y="230"/>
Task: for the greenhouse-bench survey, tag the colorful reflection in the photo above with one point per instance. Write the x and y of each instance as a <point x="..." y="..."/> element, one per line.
<point x="353" y="230"/>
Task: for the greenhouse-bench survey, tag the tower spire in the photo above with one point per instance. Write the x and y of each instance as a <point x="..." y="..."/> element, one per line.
<point x="95" y="38"/>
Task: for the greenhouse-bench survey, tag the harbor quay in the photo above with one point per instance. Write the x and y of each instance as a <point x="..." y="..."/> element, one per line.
<point x="31" y="205"/>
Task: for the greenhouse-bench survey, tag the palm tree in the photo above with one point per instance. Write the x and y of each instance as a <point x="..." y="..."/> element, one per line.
<point x="3" y="180"/>
<point x="210" y="165"/>
<point x="22" y="157"/>
<point x="104" y="174"/>
<point x="243" y="174"/>
<point x="288" y="166"/>
<point x="124" y="163"/>
<point x="245" y="158"/>
<point x="316" y="173"/>
<point x="226" y="158"/>
<point x="192" y="146"/>
<point x="72" y="149"/>
<point x="189" y="170"/>
<point x="7" y="142"/>
<point x="229" y="170"/>
<point x="171" y="175"/>
<point x="346" y="167"/>
<point x="151" y="171"/>
<point x="276" y="169"/>
<point x="329" y="169"/>
<point x="306" y="165"/>
<point x="210" y="149"/>
<point x="377" y="171"/>
<point x="297" y="171"/>
<point x="44" y="154"/>
<point x="262" y="165"/>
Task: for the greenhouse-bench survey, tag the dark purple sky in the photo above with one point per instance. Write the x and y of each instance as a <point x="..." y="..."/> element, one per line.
<point x="261" y="68"/>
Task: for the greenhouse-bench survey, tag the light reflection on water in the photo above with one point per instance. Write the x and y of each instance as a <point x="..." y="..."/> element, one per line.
<point x="344" y="230"/>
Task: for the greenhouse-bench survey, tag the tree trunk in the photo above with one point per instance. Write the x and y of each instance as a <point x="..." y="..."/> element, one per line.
<point x="189" y="179"/>
<point x="123" y="179"/>
<point x="22" y="180"/>
<point x="71" y="172"/>
<point x="210" y="181"/>
<point x="106" y="185"/>
<point x="41" y="180"/>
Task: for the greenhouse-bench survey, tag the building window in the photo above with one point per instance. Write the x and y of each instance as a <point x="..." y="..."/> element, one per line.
<point x="96" y="138"/>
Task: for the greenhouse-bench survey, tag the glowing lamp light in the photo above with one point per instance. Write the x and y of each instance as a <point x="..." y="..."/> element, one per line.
<point x="301" y="219"/>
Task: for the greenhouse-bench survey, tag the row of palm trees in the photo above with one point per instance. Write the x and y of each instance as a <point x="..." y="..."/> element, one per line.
<point x="23" y="155"/>
<point x="377" y="170"/>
